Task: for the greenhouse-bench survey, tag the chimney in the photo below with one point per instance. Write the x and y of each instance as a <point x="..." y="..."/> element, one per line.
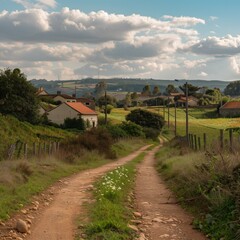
<point x="58" y="92"/>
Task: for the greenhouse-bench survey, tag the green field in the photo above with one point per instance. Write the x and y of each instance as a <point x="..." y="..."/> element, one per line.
<point x="199" y="121"/>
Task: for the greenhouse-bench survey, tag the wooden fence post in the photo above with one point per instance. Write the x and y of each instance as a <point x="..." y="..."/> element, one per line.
<point x="192" y="140"/>
<point x="204" y="141"/>
<point x="195" y="142"/>
<point x="25" y="150"/>
<point x="199" y="143"/>
<point x="45" y="147"/>
<point x="231" y="139"/>
<point x="34" y="149"/>
<point x="39" y="148"/>
<point x="221" y="138"/>
<point x="49" y="148"/>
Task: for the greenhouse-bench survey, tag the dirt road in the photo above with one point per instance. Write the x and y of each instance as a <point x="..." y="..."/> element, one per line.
<point x="53" y="213"/>
<point x="162" y="217"/>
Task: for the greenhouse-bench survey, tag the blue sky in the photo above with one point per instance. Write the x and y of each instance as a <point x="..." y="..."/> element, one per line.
<point x="163" y="39"/>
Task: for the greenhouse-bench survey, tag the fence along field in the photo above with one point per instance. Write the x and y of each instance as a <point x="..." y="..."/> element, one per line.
<point x="204" y="131"/>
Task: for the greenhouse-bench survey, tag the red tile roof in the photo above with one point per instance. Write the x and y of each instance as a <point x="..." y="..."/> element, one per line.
<point x="81" y="108"/>
<point x="231" y="105"/>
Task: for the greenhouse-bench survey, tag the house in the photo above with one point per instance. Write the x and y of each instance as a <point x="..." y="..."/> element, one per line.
<point x="73" y="110"/>
<point x="230" y="109"/>
<point x="192" y="101"/>
<point x="87" y="102"/>
<point x="59" y="97"/>
<point x="41" y="92"/>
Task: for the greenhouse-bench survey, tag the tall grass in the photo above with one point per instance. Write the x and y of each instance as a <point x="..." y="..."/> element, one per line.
<point x="208" y="184"/>
<point x="21" y="179"/>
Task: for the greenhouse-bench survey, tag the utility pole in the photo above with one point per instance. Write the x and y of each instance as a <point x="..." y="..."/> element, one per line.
<point x="187" y="112"/>
<point x="105" y="112"/>
<point x="175" y="118"/>
<point x="168" y="113"/>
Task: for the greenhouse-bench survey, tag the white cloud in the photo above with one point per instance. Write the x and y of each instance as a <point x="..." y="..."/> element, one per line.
<point x="213" y="18"/>
<point x="37" y="3"/>
<point x="37" y="25"/>
<point x="203" y="74"/>
<point x="219" y="47"/>
<point x="235" y="64"/>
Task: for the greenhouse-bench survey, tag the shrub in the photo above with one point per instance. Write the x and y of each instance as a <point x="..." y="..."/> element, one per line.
<point x="151" y="133"/>
<point x="98" y="139"/>
<point x="116" y="131"/>
<point x="145" y="118"/>
<point x="132" y="129"/>
<point x="74" y="123"/>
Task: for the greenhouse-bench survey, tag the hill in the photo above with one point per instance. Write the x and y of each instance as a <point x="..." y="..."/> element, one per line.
<point x="118" y="84"/>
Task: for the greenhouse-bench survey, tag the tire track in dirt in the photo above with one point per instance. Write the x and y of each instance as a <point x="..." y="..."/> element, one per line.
<point x="57" y="219"/>
<point x="162" y="217"/>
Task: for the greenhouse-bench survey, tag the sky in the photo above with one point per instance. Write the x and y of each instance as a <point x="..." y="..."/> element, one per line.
<point x="159" y="39"/>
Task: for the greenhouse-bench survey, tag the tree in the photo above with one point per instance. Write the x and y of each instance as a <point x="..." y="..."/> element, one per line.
<point x="134" y="96"/>
<point x="232" y="89"/>
<point x="156" y="91"/>
<point x="146" y="91"/>
<point x="191" y="89"/>
<point x="17" y="96"/>
<point x="100" y="89"/>
<point x="170" y="89"/>
<point x="127" y="100"/>
<point x="109" y="99"/>
<point x="145" y="118"/>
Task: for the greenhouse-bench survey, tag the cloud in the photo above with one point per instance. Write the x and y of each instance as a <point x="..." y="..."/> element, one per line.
<point x="37" y="3"/>
<point x="218" y="47"/>
<point x="184" y="21"/>
<point x="213" y="18"/>
<point x="203" y="74"/>
<point x="74" y="26"/>
<point x="235" y="64"/>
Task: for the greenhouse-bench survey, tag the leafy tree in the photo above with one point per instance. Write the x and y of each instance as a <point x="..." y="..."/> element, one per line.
<point x="191" y="89"/>
<point x="127" y="100"/>
<point x="232" y="89"/>
<point x="100" y="89"/>
<point x="170" y="89"/>
<point x="134" y="96"/>
<point x="145" y="118"/>
<point x="109" y="99"/>
<point x="156" y="91"/>
<point x="17" y="96"/>
<point x="146" y="90"/>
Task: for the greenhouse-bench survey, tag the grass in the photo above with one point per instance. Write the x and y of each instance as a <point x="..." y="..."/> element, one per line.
<point x="205" y="184"/>
<point x="109" y="215"/>
<point x="21" y="179"/>
<point x="12" y="130"/>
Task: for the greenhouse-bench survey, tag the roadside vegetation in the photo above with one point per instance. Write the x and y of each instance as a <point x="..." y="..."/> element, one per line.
<point x="110" y="214"/>
<point x="22" y="178"/>
<point x="207" y="184"/>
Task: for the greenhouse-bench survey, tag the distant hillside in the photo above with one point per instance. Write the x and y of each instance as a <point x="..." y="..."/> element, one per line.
<point x="118" y="84"/>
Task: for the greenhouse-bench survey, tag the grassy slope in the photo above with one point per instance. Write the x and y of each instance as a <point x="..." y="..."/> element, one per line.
<point x="12" y="130"/>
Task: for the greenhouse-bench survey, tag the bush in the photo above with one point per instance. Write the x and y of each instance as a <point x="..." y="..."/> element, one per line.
<point x="151" y="133"/>
<point x="98" y="139"/>
<point x="132" y="129"/>
<point x="116" y="131"/>
<point x="74" y="123"/>
<point x="145" y="118"/>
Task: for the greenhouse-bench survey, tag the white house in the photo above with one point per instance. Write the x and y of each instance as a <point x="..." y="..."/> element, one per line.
<point x="73" y="110"/>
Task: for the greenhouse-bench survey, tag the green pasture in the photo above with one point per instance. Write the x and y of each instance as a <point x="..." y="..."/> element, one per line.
<point x="200" y="121"/>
